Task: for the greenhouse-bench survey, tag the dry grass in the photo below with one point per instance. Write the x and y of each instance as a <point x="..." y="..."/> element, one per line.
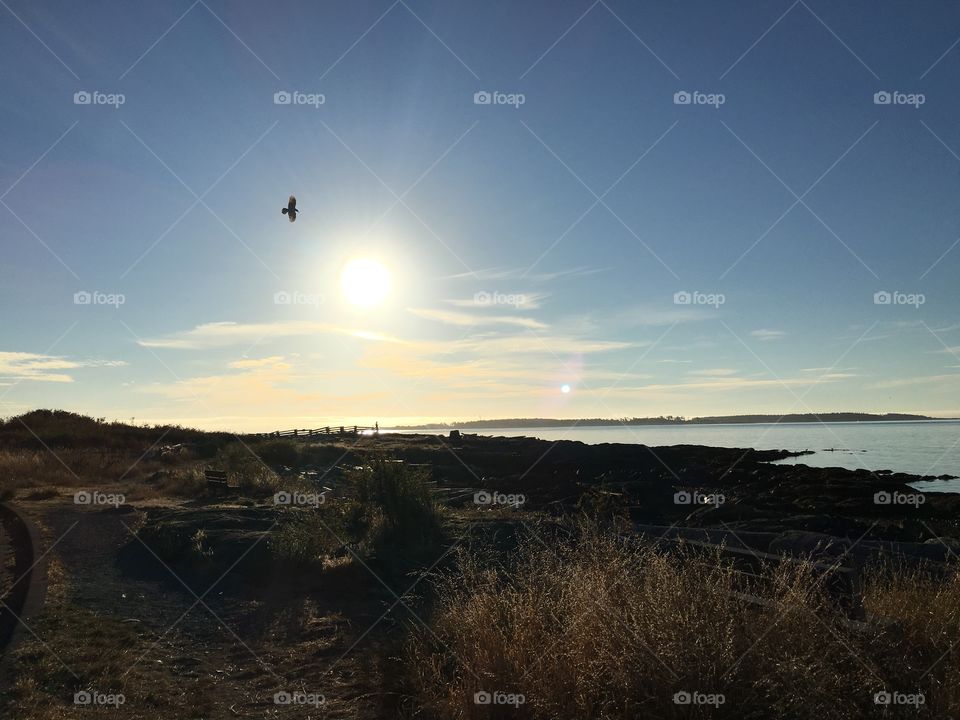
<point x="599" y="628"/>
<point x="922" y="639"/>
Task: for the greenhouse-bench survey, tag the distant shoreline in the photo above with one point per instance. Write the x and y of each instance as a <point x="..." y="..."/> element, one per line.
<point x="522" y="423"/>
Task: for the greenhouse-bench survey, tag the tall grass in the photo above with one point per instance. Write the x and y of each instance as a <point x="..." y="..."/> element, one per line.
<point x="383" y="512"/>
<point x="400" y="495"/>
<point x="246" y="469"/>
<point x="598" y="627"/>
<point x="922" y="638"/>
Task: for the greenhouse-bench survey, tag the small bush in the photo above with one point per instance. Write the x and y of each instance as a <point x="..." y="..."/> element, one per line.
<point x="278" y="452"/>
<point x="385" y="511"/>
<point x="187" y="482"/>
<point x="247" y="470"/>
<point x="401" y="495"/>
<point x="312" y="537"/>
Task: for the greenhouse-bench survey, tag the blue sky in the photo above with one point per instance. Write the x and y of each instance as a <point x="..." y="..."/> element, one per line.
<point x="529" y="246"/>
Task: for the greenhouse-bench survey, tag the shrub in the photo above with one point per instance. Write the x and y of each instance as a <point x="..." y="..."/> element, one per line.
<point x="401" y="495"/>
<point x="384" y="511"/>
<point x="247" y="469"/>
<point x="279" y="452"/>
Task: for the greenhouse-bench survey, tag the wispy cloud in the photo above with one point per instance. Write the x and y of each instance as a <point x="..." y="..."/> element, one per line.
<point x="520" y="273"/>
<point x="249" y="363"/>
<point x="465" y="319"/>
<point x="767" y="335"/>
<point x="920" y="380"/>
<point x="21" y="366"/>
<point x="520" y="300"/>
<point x="723" y="383"/>
<point x="225" y="334"/>
<point x="714" y="372"/>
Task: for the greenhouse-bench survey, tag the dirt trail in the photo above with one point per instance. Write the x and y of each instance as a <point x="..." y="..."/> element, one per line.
<point x="144" y="634"/>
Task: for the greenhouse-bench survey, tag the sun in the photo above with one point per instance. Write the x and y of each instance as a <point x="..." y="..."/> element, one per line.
<point x="365" y="282"/>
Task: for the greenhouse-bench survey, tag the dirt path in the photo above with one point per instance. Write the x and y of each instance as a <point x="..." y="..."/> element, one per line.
<point x="143" y="635"/>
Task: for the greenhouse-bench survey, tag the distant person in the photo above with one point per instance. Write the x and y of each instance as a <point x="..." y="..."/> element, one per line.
<point x="376" y="428"/>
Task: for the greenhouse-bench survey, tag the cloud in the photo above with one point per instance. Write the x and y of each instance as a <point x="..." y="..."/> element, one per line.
<point x="714" y="372"/>
<point x="525" y="300"/>
<point x="224" y="334"/>
<point x="274" y="361"/>
<point x="725" y="383"/>
<point x="522" y="274"/>
<point x="767" y="335"/>
<point x="831" y="373"/>
<point x="465" y="319"/>
<point x="21" y="366"/>
<point x="922" y="380"/>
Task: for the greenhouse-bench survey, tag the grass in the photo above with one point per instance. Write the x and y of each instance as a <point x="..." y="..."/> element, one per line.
<point x="40" y="429"/>
<point x="599" y="628"/>
<point x="384" y="512"/>
<point x="922" y="612"/>
<point x="46" y="448"/>
<point x="589" y="625"/>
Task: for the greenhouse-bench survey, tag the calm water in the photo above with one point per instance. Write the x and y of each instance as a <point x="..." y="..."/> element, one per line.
<point x="922" y="448"/>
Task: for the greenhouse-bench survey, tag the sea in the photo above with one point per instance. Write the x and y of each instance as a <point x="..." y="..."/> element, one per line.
<point x="927" y="447"/>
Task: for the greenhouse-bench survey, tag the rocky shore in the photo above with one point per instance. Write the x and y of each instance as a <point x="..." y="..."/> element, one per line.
<point x="691" y="486"/>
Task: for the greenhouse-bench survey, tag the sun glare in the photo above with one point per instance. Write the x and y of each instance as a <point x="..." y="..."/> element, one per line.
<point x="365" y="282"/>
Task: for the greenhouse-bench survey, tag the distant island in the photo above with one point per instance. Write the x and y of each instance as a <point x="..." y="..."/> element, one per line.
<point x="670" y="420"/>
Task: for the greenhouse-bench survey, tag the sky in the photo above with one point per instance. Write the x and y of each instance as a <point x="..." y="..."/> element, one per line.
<point x="546" y="209"/>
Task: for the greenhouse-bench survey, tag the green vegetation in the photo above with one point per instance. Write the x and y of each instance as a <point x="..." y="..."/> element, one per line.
<point x="383" y="513"/>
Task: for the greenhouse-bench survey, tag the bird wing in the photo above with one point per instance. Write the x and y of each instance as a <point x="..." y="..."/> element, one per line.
<point x="292" y="202"/>
<point x="292" y="216"/>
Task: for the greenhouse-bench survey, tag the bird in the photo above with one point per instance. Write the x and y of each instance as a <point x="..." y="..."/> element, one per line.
<point x="291" y="209"/>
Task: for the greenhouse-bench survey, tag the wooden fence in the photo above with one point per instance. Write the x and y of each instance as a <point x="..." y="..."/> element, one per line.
<point x="328" y="431"/>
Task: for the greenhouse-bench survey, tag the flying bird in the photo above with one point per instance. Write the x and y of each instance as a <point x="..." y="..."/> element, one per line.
<point x="291" y="209"/>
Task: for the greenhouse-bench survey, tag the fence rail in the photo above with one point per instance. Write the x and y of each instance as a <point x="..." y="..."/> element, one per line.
<point x="329" y="430"/>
